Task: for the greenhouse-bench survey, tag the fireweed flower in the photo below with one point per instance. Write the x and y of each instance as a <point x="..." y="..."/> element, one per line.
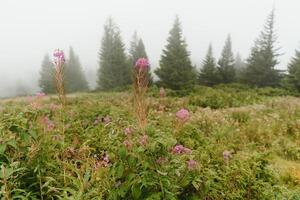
<point x="183" y="115"/>
<point x="40" y="94"/>
<point x="59" y="60"/>
<point x="127" y="144"/>
<point x="59" y="56"/>
<point x="143" y="140"/>
<point x="192" y="164"/>
<point x="106" y="119"/>
<point x="50" y="124"/>
<point x="161" y="160"/>
<point x="226" y="155"/>
<point x="142" y="64"/>
<point x="128" y="131"/>
<point x="180" y="149"/>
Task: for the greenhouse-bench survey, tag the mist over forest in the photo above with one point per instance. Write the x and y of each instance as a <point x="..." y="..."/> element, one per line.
<point x="31" y="30"/>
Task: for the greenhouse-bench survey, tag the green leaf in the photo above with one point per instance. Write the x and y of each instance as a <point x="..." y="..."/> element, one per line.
<point x="122" y="153"/>
<point x="2" y="148"/>
<point x="120" y="171"/>
<point x="131" y="161"/>
<point x="12" y="143"/>
<point x="136" y="191"/>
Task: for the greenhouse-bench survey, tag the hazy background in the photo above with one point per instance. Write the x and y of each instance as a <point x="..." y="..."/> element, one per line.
<point x="29" y="29"/>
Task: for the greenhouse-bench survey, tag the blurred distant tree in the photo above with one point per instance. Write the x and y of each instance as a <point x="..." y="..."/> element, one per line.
<point x="208" y="74"/>
<point x="293" y="77"/>
<point x="239" y="66"/>
<point x="137" y="50"/>
<point x="226" y="63"/>
<point x="114" y="70"/>
<point x="75" y="80"/>
<point x="261" y="63"/>
<point x="176" y="71"/>
<point x="46" y="81"/>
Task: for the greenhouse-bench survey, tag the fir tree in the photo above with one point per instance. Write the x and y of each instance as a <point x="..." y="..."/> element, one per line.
<point x="176" y="71"/>
<point x="75" y="80"/>
<point x="46" y="81"/>
<point x="226" y="63"/>
<point x="239" y="66"/>
<point x="114" y="70"/>
<point x="261" y="63"/>
<point x="208" y="73"/>
<point x="293" y="77"/>
<point x="137" y="50"/>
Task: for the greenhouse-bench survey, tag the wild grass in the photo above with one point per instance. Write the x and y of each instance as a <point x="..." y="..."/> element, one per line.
<point x="261" y="135"/>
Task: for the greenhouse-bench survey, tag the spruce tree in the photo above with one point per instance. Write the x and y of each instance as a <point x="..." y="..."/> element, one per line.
<point x="293" y="77"/>
<point x="114" y="70"/>
<point x="239" y="66"/>
<point x="137" y="50"/>
<point x="46" y="81"/>
<point x="261" y="63"/>
<point x="176" y="71"/>
<point x="75" y="80"/>
<point x="226" y="63"/>
<point x="208" y="73"/>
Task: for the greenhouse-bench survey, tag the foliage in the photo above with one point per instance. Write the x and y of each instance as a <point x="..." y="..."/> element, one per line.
<point x="176" y="71"/>
<point x="261" y="63"/>
<point x="208" y="74"/>
<point x="114" y="69"/>
<point x="75" y="80"/>
<point x="46" y="81"/>
<point x="137" y="50"/>
<point x="226" y="63"/>
<point x="259" y="131"/>
<point x="293" y="77"/>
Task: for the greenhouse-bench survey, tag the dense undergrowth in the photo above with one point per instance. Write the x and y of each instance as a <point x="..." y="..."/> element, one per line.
<point x="238" y="143"/>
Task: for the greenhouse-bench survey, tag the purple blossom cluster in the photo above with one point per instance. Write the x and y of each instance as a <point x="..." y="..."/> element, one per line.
<point x="59" y="57"/>
<point x="180" y="149"/>
<point x="183" y="115"/>
<point x="142" y="64"/>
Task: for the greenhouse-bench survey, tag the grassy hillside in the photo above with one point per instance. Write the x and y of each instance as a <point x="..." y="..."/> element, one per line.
<point x="238" y="143"/>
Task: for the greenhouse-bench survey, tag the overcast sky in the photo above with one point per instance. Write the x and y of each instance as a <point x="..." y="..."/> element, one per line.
<point x="31" y="28"/>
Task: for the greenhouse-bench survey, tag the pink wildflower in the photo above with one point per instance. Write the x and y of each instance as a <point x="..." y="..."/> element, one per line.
<point x="183" y="115"/>
<point x="127" y="144"/>
<point x="97" y="121"/>
<point x="143" y="140"/>
<point x="59" y="56"/>
<point x="161" y="160"/>
<point x="53" y="107"/>
<point x="106" y="119"/>
<point x="128" y="131"/>
<point x="142" y="64"/>
<point x="50" y="124"/>
<point x="40" y="94"/>
<point x="226" y="155"/>
<point x="180" y="149"/>
<point x="192" y="164"/>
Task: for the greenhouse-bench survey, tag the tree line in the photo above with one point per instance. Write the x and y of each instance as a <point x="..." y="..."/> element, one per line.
<point x="175" y="70"/>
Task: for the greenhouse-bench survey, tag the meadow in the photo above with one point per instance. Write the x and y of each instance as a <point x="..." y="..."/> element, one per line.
<point x="233" y="143"/>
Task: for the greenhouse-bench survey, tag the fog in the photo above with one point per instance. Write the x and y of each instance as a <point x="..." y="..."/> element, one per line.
<point x="30" y="29"/>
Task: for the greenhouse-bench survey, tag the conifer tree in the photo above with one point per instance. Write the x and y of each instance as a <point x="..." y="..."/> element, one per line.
<point x="176" y="71"/>
<point x="239" y="66"/>
<point x="46" y="81"/>
<point x="137" y="50"/>
<point x="263" y="58"/>
<point x="75" y="80"/>
<point x="208" y="74"/>
<point x="293" y="77"/>
<point x="226" y="63"/>
<point x="114" y="70"/>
